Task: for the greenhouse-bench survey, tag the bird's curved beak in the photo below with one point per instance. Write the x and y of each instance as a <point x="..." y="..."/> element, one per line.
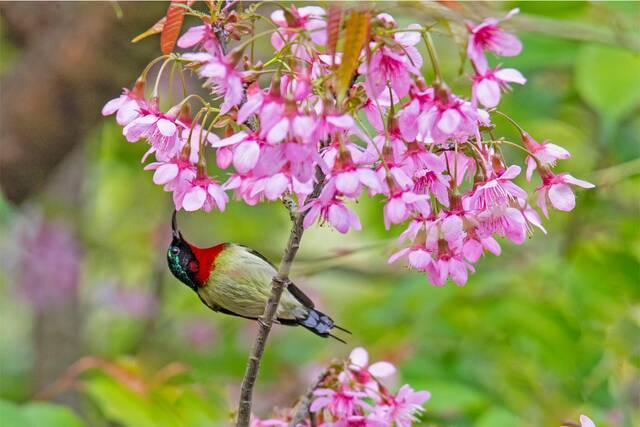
<point x="174" y="226"/>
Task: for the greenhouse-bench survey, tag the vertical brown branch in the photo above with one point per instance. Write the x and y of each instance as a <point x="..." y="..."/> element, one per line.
<point x="265" y="321"/>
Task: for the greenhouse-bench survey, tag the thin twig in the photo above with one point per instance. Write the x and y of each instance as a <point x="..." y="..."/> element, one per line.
<point x="305" y="399"/>
<point x="265" y="322"/>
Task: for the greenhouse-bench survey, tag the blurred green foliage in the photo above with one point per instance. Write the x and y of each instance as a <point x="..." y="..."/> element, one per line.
<point x="541" y="334"/>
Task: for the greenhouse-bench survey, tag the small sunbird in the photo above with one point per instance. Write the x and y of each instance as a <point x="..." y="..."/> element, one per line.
<point x="236" y="280"/>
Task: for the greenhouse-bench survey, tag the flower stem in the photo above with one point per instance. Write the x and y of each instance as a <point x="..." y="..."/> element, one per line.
<point x="426" y="36"/>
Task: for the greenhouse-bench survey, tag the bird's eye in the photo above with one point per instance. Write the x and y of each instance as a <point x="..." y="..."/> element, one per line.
<point x="175" y="250"/>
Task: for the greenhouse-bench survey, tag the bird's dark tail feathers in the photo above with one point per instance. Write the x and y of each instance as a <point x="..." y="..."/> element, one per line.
<point x="321" y="324"/>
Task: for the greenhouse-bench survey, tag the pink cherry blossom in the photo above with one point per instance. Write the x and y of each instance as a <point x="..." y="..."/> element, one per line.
<point x="490" y="37"/>
<point x="128" y="105"/>
<point x="341" y="403"/>
<point x="163" y="132"/>
<point x="555" y="189"/>
<point x="404" y="407"/>
<point x="488" y="84"/>
<point x="200" y="35"/>
<point x="311" y="18"/>
<point x="394" y="65"/>
<point x="545" y="153"/>
<point x="498" y="191"/>
<point x="222" y="75"/>
<point x="363" y="372"/>
<point x="331" y="209"/>
<point x="449" y="118"/>
<point x="200" y="193"/>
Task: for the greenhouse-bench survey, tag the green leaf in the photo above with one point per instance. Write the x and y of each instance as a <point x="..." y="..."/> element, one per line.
<point x="42" y="414"/>
<point x="607" y="79"/>
<point x="38" y="414"/>
<point x="498" y="417"/>
<point x="10" y="414"/>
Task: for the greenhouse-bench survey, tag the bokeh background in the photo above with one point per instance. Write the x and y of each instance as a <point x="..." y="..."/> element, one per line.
<point x="95" y="332"/>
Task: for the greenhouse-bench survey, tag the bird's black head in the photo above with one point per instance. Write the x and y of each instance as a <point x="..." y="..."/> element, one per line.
<point x="182" y="261"/>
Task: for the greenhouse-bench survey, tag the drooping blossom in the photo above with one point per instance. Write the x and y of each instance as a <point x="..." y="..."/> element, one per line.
<point x="545" y="153"/>
<point x="200" y="35"/>
<point x="222" y="75"/>
<point x="488" y="84"/>
<point x="404" y="407"/>
<point x="310" y="18"/>
<point x="128" y="105"/>
<point x="162" y="131"/>
<point x="430" y="155"/>
<point x="341" y="403"/>
<point x="488" y="36"/>
<point x="201" y="192"/>
<point x="394" y="65"/>
<point x="555" y="189"/>
<point x="363" y="371"/>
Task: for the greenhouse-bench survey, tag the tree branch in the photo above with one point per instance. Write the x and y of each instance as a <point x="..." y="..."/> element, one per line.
<point x="265" y="321"/>
<point x="305" y="400"/>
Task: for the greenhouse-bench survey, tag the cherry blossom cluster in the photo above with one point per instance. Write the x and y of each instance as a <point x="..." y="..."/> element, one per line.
<point x="286" y="128"/>
<point x="352" y="394"/>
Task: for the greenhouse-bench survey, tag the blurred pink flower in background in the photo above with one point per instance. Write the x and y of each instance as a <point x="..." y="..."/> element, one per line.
<point x="46" y="270"/>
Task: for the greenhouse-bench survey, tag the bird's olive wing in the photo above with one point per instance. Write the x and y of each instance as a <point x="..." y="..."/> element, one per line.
<point x="293" y="289"/>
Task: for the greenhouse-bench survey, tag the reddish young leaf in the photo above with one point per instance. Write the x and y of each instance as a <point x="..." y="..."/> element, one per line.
<point x="171" y="30"/>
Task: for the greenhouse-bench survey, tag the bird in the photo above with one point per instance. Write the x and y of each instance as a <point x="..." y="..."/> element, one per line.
<point x="233" y="279"/>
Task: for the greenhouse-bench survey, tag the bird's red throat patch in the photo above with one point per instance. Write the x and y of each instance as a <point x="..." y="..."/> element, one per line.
<point x="207" y="259"/>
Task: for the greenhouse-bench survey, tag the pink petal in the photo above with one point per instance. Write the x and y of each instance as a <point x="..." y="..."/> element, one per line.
<point x="194" y="199"/>
<point x="395" y="211"/>
<point x="531" y="166"/>
<point x="113" y="105"/>
<point x="575" y="181"/>
<point x="488" y="93"/>
<point x="511" y="172"/>
<point x="359" y="357"/>
<point x="246" y="156"/>
<point x="278" y="132"/>
<point x="393" y="258"/>
<point x="586" y="421"/>
<point x="472" y="250"/>
<point x="348" y="183"/>
<point x="276" y="185"/>
<point x="458" y="272"/>
<point x="449" y="121"/>
<point x="419" y="259"/>
<point x="510" y="75"/>
<point x="492" y="245"/>
<point x="165" y="173"/>
<point x="129" y="111"/>
<point x="166" y="127"/>
<point x="505" y="44"/>
<point x="409" y="38"/>
<point x="343" y="121"/>
<point x="218" y="195"/>
<point x="382" y="369"/>
<point x="231" y="140"/>
<point x="339" y="218"/>
<point x="224" y="156"/>
<point x="252" y="105"/>
<point x="561" y="197"/>
<point x="370" y="179"/>
<point x="191" y="37"/>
